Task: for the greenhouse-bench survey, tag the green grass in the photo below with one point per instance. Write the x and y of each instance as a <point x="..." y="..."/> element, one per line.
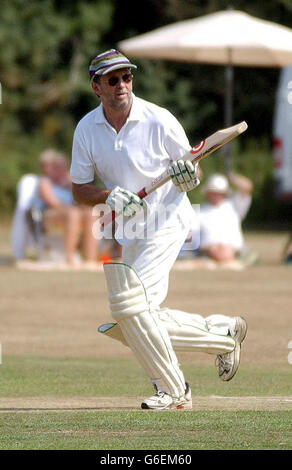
<point x="41" y="376"/>
<point x="145" y="430"/>
<point x="185" y="430"/>
<point x="65" y="377"/>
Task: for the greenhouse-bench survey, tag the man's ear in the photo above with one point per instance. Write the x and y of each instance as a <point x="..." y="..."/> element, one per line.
<point x="95" y="88"/>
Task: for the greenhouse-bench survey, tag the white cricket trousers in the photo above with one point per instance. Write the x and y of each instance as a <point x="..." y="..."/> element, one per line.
<point x="152" y="259"/>
<point x="136" y="290"/>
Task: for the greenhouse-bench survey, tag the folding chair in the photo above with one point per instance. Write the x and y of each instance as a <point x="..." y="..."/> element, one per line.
<point x="22" y="237"/>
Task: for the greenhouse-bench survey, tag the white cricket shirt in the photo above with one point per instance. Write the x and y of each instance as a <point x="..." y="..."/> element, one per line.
<point x="222" y="223"/>
<point x="148" y="142"/>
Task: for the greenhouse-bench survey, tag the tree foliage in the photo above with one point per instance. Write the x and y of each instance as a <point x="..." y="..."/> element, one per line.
<point x="46" y="46"/>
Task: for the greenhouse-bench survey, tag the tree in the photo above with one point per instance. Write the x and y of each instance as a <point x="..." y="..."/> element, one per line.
<point x="46" y="46"/>
<point x="44" y="62"/>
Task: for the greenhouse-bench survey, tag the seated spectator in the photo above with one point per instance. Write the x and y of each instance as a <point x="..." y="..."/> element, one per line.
<point x="56" y="202"/>
<point x="221" y="235"/>
<point x="217" y="229"/>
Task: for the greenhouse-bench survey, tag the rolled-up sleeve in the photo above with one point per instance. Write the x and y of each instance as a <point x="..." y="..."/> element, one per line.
<point x="241" y="204"/>
<point x="82" y="168"/>
<point x="176" y="141"/>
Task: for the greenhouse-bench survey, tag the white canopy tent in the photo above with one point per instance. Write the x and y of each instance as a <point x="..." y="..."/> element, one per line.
<point x="230" y="38"/>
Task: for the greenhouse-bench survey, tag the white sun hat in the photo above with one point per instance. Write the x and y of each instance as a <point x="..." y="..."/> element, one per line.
<point x="217" y="183"/>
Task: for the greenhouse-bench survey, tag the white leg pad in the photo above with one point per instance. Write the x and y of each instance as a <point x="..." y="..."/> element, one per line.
<point x="142" y="329"/>
<point x="190" y="332"/>
<point x="113" y="330"/>
<point x="220" y="324"/>
<point x="187" y="332"/>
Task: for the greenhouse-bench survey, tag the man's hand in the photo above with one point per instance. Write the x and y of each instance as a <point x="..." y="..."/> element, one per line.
<point x="184" y="175"/>
<point x="241" y="183"/>
<point x="124" y="202"/>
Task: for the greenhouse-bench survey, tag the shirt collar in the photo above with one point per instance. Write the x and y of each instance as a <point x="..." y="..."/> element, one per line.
<point x="136" y="113"/>
<point x="99" y="116"/>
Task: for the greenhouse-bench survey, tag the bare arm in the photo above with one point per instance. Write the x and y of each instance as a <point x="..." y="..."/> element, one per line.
<point x="47" y="195"/>
<point x="66" y="180"/>
<point x="243" y="184"/>
<point x="89" y="194"/>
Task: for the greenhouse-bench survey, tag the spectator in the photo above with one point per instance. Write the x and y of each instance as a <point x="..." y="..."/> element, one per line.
<point x="24" y="233"/>
<point x="56" y="202"/>
<point x="221" y="236"/>
<point x="218" y="232"/>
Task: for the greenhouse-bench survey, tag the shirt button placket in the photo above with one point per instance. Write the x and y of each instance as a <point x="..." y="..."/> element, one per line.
<point x="118" y="144"/>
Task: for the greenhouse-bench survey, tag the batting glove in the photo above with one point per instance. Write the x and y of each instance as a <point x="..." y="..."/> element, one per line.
<point x="183" y="175"/>
<point x="124" y="202"/>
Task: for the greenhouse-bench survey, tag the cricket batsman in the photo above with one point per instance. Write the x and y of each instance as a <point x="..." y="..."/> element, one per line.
<point x="127" y="142"/>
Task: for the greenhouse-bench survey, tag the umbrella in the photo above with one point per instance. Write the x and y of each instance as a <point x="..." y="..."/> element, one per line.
<point x="228" y="38"/>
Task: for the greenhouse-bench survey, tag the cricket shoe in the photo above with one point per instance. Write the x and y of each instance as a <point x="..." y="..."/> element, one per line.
<point x="240" y="329"/>
<point x="163" y="401"/>
<point x="228" y="363"/>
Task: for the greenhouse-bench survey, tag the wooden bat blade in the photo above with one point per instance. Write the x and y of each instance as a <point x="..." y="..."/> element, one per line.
<point x="200" y="151"/>
<point x="197" y="153"/>
<point x="216" y="140"/>
<point x="220" y="138"/>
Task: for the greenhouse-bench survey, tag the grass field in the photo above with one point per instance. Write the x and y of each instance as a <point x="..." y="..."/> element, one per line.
<point x="64" y="386"/>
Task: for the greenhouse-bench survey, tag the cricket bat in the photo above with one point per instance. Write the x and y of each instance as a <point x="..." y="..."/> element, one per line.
<point x="196" y="154"/>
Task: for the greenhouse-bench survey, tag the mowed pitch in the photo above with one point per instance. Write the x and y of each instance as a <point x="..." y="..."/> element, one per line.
<point x="127" y="403"/>
<point x="53" y="359"/>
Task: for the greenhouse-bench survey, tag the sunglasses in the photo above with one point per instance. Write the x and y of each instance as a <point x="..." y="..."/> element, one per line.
<point x="127" y="78"/>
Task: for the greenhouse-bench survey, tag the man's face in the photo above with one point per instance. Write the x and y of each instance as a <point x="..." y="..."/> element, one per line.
<point x="47" y="169"/>
<point x="59" y="171"/>
<point x="118" y="96"/>
<point x="215" y="198"/>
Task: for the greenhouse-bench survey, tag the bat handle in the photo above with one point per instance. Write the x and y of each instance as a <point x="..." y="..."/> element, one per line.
<point x="142" y="193"/>
<point x="109" y="218"/>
